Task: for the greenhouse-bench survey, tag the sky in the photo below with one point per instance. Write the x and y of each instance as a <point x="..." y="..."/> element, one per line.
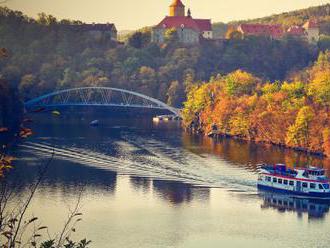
<point x="133" y="14"/>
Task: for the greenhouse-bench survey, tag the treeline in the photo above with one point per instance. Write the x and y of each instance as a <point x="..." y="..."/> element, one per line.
<point x="45" y="55"/>
<point x="291" y="113"/>
<point x="298" y="17"/>
<point x="287" y="19"/>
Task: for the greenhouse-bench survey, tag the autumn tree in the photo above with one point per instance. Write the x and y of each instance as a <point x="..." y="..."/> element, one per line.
<point x="298" y="133"/>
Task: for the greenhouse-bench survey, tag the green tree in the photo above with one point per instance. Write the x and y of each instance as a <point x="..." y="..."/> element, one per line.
<point x="139" y="39"/>
<point x="175" y="94"/>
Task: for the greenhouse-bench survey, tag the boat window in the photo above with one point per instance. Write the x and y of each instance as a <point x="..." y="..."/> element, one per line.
<point x="275" y="180"/>
<point x="285" y="182"/>
<point x="291" y="183"/>
<point x="305" y="185"/>
<point x="268" y="179"/>
<point x="280" y="181"/>
<point x="326" y="186"/>
<point x="312" y="185"/>
<point x="320" y="186"/>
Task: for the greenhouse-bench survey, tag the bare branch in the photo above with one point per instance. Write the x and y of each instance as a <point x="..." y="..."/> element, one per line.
<point x="34" y="189"/>
<point x="73" y="214"/>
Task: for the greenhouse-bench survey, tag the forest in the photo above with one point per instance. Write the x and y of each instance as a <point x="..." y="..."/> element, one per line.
<point x="293" y="113"/>
<point x="45" y="55"/>
<point x="257" y="87"/>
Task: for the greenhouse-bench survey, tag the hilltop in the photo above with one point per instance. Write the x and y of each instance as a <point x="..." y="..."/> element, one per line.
<point x="286" y="19"/>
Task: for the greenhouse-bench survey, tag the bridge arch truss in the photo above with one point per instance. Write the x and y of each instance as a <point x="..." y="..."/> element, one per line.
<point x="98" y="96"/>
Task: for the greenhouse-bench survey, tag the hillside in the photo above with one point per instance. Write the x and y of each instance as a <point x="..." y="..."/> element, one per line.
<point x="45" y="55"/>
<point x="294" y="114"/>
<point x="287" y="19"/>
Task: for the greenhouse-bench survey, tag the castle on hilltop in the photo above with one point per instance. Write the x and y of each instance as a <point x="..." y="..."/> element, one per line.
<point x="310" y="31"/>
<point x="189" y="29"/>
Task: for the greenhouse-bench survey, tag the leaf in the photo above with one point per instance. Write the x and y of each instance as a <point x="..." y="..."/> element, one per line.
<point x="32" y="220"/>
<point x="42" y="227"/>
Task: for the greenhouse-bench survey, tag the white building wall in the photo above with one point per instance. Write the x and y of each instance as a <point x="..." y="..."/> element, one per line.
<point x="208" y="34"/>
<point x="313" y="35"/>
<point x="188" y="36"/>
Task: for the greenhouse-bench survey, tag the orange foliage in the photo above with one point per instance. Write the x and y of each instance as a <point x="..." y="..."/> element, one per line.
<point x="25" y="132"/>
<point x="294" y="114"/>
<point x="3" y="129"/>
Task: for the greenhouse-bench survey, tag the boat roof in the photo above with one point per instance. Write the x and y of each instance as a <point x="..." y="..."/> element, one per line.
<point x="313" y="168"/>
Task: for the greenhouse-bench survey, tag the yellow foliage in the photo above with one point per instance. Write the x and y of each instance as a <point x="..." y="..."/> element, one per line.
<point x="298" y="133"/>
<point x="6" y="164"/>
<point x="288" y="113"/>
<point x="319" y="89"/>
<point x="240" y="83"/>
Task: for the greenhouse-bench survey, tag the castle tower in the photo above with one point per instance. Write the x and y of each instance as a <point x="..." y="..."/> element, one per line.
<point x="177" y="8"/>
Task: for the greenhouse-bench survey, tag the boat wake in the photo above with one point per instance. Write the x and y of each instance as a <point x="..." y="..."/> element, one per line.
<point x="151" y="158"/>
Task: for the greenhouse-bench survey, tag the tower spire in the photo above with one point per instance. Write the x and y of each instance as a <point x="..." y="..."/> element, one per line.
<point x="177" y="8"/>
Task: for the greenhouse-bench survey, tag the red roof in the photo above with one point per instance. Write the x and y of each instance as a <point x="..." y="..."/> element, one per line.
<point x="185" y="22"/>
<point x="177" y="3"/>
<point x="204" y="24"/>
<point x="296" y="30"/>
<point x="311" y="24"/>
<point x="275" y="31"/>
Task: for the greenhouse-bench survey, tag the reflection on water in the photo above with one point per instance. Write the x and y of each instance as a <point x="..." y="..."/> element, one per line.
<point x="249" y="154"/>
<point x="316" y="209"/>
<point x="176" y="192"/>
<point x="144" y="178"/>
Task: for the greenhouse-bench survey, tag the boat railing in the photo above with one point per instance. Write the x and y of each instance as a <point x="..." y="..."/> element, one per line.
<point x="281" y="171"/>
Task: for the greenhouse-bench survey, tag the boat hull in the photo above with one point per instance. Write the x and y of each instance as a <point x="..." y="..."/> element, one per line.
<point x="319" y="195"/>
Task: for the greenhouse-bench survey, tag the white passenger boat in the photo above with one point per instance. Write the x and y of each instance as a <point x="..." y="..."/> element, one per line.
<point x="306" y="182"/>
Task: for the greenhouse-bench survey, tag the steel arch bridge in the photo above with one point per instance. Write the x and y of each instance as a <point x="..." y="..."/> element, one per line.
<point x="98" y="96"/>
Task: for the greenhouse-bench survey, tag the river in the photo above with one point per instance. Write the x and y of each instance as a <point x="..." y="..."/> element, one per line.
<point x="148" y="184"/>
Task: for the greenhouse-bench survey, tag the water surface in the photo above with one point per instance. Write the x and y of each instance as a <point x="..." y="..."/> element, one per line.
<point x="152" y="185"/>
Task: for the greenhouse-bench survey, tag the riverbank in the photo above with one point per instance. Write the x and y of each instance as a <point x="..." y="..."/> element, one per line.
<point x="291" y="114"/>
<point x="215" y="135"/>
